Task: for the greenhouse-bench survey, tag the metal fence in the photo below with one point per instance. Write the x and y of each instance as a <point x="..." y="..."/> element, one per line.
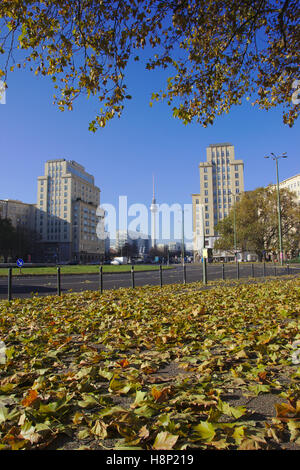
<point x="24" y="286"/>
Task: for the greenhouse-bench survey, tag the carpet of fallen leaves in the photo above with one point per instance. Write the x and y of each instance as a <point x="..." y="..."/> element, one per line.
<point x="152" y="368"/>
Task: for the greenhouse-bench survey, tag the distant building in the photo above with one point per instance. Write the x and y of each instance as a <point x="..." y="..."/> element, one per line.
<point x="67" y="200"/>
<point x="20" y="213"/>
<point x="221" y="183"/>
<point x="293" y="184"/>
<point x="139" y="242"/>
<point x="174" y="247"/>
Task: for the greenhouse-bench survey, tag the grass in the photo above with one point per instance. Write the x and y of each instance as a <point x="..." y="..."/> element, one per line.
<point x="172" y="368"/>
<point x="78" y="269"/>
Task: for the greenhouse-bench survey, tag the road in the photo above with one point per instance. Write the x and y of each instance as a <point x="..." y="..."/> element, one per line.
<point x="26" y="286"/>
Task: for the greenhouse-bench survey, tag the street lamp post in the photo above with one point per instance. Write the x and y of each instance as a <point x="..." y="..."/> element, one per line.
<point x="182" y="241"/>
<point x="234" y="228"/>
<point x="276" y="158"/>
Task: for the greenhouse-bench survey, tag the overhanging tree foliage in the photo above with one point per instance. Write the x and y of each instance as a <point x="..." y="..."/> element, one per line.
<point x="257" y="223"/>
<point x="218" y="51"/>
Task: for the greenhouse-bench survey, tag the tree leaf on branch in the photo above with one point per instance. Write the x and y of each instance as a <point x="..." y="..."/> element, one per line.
<point x="213" y="51"/>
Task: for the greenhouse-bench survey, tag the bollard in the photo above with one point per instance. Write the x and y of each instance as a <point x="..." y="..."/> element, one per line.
<point x="132" y="277"/>
<point x="275" y="271"/>
<point x="223" y="272"/>
<point x="204" y="271"/>
<point x="184" y="274"/>
<point x="237" y="270"/>
<point x="9" y="284"/>
<point x="264" y="269"/>
<point x="58" y="281"/>
<point x="160" y="275"/>
<point x="252" y="270"/>
<point x="101" y="279"/>
<point x="288" y="268"/>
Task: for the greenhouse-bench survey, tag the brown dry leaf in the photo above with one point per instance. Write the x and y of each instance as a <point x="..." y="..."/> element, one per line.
<point x="144" y="432"/>
<point x="123" y="363"/>
<point x="164" y="441"/>
<point x="161" y="395"/>
<point x="30" y="398"/>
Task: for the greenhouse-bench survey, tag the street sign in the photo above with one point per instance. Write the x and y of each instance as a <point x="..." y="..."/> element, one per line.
<point x="20" y="263"/>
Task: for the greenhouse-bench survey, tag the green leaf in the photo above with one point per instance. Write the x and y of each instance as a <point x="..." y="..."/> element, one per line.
<point x="259" y="388"/>
<point x="239" y="434"/>
<point x="89" y="401"/>
<point x="3" y="414"/>
<point x="205" y="430"/>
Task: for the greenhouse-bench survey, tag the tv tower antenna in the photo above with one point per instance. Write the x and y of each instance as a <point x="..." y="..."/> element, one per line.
<point x="154" y="210"/>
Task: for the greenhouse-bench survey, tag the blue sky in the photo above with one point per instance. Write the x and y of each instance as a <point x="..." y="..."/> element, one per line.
<point x="124" y="155"/>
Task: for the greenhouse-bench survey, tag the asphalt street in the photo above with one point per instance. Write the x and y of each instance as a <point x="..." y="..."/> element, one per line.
<point x="26" y="286"/>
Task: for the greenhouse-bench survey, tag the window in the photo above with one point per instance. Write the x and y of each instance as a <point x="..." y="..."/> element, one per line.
<point x="206" y="185"/>
<point x="205" y="177"/>
<point x="205" y="171"/>
<point x="206" y="200"/>
<point x="207" y="231"/>
<point x="237" y="183"/>
<point x="207" y="215"/>
<point x="206" y="192"/>
<point x="236" y="175"/>
<point x="206" y="208"/>
<point x="207" y="223"/>
<point x="236" y="168"/>
<point x="237" y="191"/>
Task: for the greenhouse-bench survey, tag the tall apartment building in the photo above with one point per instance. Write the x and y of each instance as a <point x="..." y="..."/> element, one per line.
<point x="221" y="183"/>
<point x="293" y="184"/>
<point x="66" y="213"/>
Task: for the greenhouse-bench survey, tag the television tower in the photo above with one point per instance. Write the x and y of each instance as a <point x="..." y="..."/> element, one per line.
<point x="154" y="210"/>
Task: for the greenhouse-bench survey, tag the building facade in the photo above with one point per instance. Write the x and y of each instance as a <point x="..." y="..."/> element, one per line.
<point x="138" y="243"/>
<point x="221" y="184"/>
<point x="67" y="201"/>
<point x="20" y="213"/>
<point x="293" y="184"/>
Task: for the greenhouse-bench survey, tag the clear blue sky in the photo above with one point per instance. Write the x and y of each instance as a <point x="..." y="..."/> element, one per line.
<point x="124" y="155"/>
